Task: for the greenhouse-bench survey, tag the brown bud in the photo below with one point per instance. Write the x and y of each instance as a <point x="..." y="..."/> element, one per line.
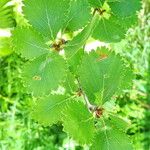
<point x="98" y="112"/>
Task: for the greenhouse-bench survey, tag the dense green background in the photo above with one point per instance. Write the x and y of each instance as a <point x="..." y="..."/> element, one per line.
<point x="19" y="132"/>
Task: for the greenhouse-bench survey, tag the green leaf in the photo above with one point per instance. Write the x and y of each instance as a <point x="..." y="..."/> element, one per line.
<point x="109" y="30"/>
<point x="47" y="16"/>
<point x="44" y="74"/>
<point x="70" y="84"/>
<point x="78" y="20"/>
<point x="6" y="15"/>
<point x="103" y="74"/>
<point x="29" y="43"/>
<point x="79" y="123"/>
<point x="125" y="8"/>
<point x="89" y="75"/>
<point x="118" y="122"/>
<point x="3" y="2"/>
<point x="78" y="41"/>
<point x="113" y="26"/>
<point x="110" y="138"/>
<point x="75" y="61"/>
<point x="5" y="46"/>
<point x="96" y="3"/>
<point x="128" y="22"/>
<point x="47" y="110"/>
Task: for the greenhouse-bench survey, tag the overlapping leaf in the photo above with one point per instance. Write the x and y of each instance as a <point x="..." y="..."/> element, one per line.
<point x="75" y="61"/>
<point x="79" y="14"/>
<point x="70" y="84"/>
<point x="29" y="43"/>
<point x="110" y="138"/>
<point x="44" y="74"/>
<point x="78" y="41"/>
<point x="6" y="15"/>
<point x="109" y="30"/>
<point x="103" y="75"/>
<point x="47" y="16"/>
<point x="79" y="123"/>
<point x="125" y="8"/>
<point x="89" y="75"/>
<point x="120" y="16"/>
<point x="47" y="110"/>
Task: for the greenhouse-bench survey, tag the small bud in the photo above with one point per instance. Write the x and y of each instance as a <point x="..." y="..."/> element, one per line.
<point x="98" y="112"/>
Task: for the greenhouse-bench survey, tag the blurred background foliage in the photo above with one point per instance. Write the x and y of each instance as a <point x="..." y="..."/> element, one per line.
<point x="19" y="132"/>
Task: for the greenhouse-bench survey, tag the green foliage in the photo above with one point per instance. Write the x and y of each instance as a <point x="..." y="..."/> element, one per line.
<point x="48" y="17"/>
<point x="78" y="15"/>
<point x="116" y="17"/>
<point x="6" y="14"/>
<point x="5" y="46"/>
<point x="28" y="42"/>
<point x="96" y="3"/>
<point x="73" y="49"/>
<point x="122" y="125"/>
<point x="135" y="104"/>
<point x="17" y="129"/>
<point x="109" y="30"/>
<point x="111" y="138"/>
<point x="78" y="41"/>
<point x="70" y="84"/>
<point x="44" y="74"/>
<point x="124" y="8"/>
<point x="102" y="75"/>
<point x="92" y="79"/>
<point x="77" y="123"/>
<point x="50" y="106"/>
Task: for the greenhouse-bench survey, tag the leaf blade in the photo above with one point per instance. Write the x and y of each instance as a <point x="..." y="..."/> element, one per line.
<point x="44" y="74"/>
<point x="103" y="75"/>
<point x="29" y="43"/>
<point x="48" y="17"/>
<point x="7" y="18"/>
<point x="75" y="19"/>
<point x="110" y="138"/>
<point x="47" y="111"/>
<point x="74" y="45"/>
<point x="76" y="123"/>
<point x="123" y="8"/>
